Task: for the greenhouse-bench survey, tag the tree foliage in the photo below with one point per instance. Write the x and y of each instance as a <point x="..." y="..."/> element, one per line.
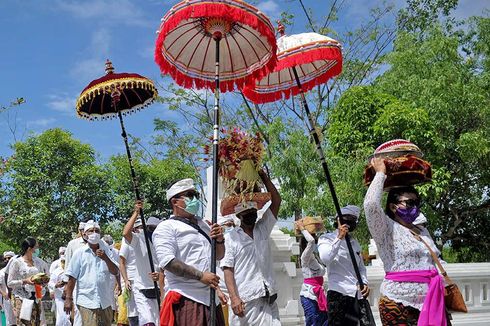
<point x="154" y="178"/>
<point x="50" y="184"/>
<point x="437" y="97"/>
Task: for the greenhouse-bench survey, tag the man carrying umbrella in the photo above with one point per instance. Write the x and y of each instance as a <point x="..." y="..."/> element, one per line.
<point x="183" y="248"/>
<point x="248" y="263"/>
<point x="145" y="296"/>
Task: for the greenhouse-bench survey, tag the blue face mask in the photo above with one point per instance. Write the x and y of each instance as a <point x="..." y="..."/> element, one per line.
<point x="192" y="206"/>
<point x="36" y="252"/>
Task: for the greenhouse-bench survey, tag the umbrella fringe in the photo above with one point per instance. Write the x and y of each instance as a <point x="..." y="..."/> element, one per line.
<point x="248" y="16"/>
<point x="324" y="53"/>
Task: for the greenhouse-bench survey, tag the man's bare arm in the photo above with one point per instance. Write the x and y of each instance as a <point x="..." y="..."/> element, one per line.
<point x="181" y="269"/>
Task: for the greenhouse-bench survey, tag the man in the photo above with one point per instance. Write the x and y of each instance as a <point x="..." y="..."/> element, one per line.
<point x="343" y="289"/>
<point x="142" y="287"/>
<point x="248" y="265"/>
<point x="4" y="291"/>
<point x="55" y="264"/>
<point x="183" y="248"/>
<point x="127" y="266"/>
<point x="90" y="269"/>
<point x="115" y="283"/>
<point x="74" y="244"/>
<point x="56" y="285"/>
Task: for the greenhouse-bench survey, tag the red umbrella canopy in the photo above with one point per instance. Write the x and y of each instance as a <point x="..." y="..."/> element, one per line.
<point x="185" y="49"/>
<point x="317" y="58"/>
<point x="130" y="92"/>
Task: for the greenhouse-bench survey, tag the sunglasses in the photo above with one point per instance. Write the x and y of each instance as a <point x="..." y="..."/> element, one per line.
<point x="189" y="194"/>
<point x="410" y="202"/>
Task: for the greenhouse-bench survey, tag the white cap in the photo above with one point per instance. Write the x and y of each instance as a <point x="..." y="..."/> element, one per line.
<point x="8" y="254"/>
<point x="245" y="206"/>
<point x="137" y="223"/>
<point x="61" y="249"/>
<point x="351" y="210"/>
<point x="180" y="186"/>
<point x="81" y="226"/>
<point x="90" y="225"/>
<point x="153" y="221"/>
<point x="421" y="219"/>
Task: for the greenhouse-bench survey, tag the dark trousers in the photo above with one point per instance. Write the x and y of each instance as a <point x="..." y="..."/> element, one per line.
<point x="342" y="309"/>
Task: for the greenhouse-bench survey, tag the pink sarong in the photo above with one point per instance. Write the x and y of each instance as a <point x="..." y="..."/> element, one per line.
<point x="433" y="311"/>
<point x="317" y="283"/>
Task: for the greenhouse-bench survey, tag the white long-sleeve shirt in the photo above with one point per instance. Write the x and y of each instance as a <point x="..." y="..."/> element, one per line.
<point x="310" y="267"/>
<point x="398" y="248"/>
<point x="252" y="259"/>
<point x="341" y="274"/>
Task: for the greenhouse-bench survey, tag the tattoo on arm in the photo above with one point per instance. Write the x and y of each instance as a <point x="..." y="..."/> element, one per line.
<point x="181" y="269"/>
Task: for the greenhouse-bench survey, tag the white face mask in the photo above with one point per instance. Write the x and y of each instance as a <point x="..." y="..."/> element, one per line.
<point x="93" y="238"/>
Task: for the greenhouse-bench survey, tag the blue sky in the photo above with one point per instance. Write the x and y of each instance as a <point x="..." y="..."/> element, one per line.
<point x="51" y="49"/>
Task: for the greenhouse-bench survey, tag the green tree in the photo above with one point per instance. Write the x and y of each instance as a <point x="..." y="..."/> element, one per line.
<point x="154" y="177"/>
<point x="438" y="98"/>
<point x="51" y="183"/>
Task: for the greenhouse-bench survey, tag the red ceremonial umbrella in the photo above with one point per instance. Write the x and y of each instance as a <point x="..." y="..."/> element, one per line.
<point x="304" y="61"/>
<point x="215" y="44"/>
<point x="116" y="95"/>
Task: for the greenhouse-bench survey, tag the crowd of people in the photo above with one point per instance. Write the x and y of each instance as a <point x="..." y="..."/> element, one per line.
<point x="98" y="282"/>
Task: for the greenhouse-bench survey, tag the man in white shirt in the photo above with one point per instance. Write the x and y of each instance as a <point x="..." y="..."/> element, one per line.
<point x="127" y="266"/>
<point x="343" y="286"/>
<point x="56" y="285"/>
<point x="248" y="264"/>
<point x="115" y="283"/>
<point x="183" y="248"/>
<point x="90" y="268"/>
<point x="55" y="264"/>
<point x="74" y="244"/>
<point x="142" y="286"/>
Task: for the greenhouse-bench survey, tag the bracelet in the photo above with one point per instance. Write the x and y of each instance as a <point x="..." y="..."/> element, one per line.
<point x="220" y="242"/>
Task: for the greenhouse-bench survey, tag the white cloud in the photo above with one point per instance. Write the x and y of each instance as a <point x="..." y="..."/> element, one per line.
<point x="41" y="122"/>
<point x="62" y="103"/>
<point x="467" y="8"/>
<point x="270" y="8"/>
<point x="93" y="65"/>
<point x="106" y="11"/>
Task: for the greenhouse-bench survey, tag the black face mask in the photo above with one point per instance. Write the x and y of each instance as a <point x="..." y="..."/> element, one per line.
<point x="351" y="223"/>
<point x="249" y="219"/>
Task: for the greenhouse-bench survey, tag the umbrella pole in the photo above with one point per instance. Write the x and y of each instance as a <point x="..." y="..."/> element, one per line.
<point x="319" y="150"/>
<point x="138" y="197"/>
<point x="214" y="211"/>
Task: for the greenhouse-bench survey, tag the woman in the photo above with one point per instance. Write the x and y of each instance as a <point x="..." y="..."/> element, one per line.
<point x="410" y="271"/>
<point x="20" y="280"/>
<point x="343" y="286"/>
<point x="312" y="293"/>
